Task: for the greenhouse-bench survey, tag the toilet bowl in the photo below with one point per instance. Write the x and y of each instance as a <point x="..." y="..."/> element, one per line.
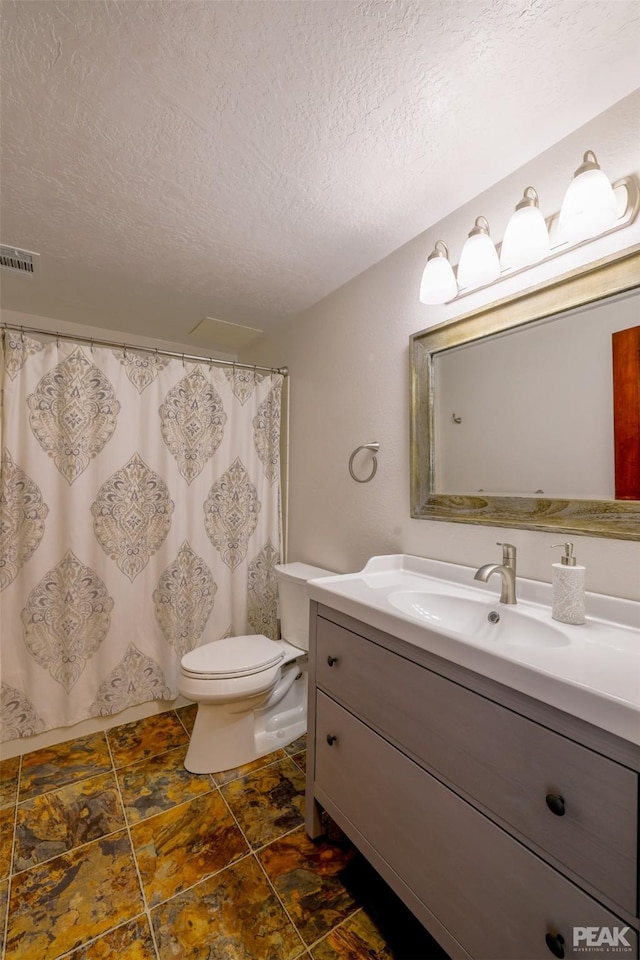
<point x="251" y="691"/>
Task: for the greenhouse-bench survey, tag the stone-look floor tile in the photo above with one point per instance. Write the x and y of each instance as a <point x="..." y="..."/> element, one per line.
<point x="60" y="820"/>
<point x="9" y="770"/>
<point x="269" y="802"/>
<point x="232" y="916"/>
<point x="226" y="776"/>
<point x="132" y="941"/>
<point x="64" y="763"/>
<point x="146" y="738"/>
<point x="297" y="745"/>
<point x="7" y="819"/>
<point x="159" y="783"/>
<point x="56" y="906"/>
<point x="301" y="760"/>
<point x="357" y="938"/>
<point x="181" y="846"/>
<point x="307" y="877"/>
<point x="187" y="716"/>
<point x="4" y="897"/>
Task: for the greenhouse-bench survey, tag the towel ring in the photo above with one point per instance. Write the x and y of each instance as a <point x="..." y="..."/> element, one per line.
<point x="373" y="447"/>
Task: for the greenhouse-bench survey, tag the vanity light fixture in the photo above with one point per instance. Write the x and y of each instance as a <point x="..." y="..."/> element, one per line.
<point x="589" y="206"/>
<point x="479" y="263"/>
<point x="526" y="239"/>
<point x="592" y="207"/>
<point x="438" y="279"/>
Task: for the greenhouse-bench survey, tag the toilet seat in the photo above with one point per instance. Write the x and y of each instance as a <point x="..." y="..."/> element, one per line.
<point x="251" y="692"/>
<point x="233" y="657"/>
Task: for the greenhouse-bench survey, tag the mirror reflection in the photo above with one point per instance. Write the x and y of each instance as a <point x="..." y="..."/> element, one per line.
<point x="517" y="417"/>
<point x="529" y="412"/>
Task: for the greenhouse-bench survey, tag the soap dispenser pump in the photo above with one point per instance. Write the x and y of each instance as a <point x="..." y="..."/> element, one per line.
<point x="567" y="604"/>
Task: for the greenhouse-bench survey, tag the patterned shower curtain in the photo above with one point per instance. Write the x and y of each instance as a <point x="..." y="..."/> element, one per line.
<point x="139" y="518"/>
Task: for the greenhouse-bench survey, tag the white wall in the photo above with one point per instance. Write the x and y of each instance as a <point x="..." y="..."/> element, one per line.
<point x="535" y="405"/>
<point x="348" y="358"/>
<point x="52" y="325"/>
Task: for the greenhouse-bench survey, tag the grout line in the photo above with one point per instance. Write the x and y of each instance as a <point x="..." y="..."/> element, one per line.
<point x="196" y="883"/>
<point x="282" y="904"/>
<point x="65" y="786"/>
<point x="103" y="773"/>
<point x="152" y="756"/>
<point x="174" y="806"/>
<point x="254" y="853"/>
<point x="136" y="763"/>
<point x="250" y="851"/>
<point x="302" y="769"/>
<point x="235" y="819"/>
<point x="250" y="773"/>
<point x="88" y="943"/>
<point x="357" y="906"/>
<point x="179" y="718"/>
<point x="125" y="825"/>
<point x="5" y="932"/>
<point x="306" y="949"/>
<point x="280" y="837"/>
<point x="273" y="839"/>
<point x="344" y="920"/>
<point x="147" y="909"/>
<point x="69" y="783"/>
<point x="66" y="853"/>
<point x="214" y="789"/>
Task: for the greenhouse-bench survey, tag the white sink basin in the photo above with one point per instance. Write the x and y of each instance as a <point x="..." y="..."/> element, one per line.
<point x="477" y="619"/>
<point x="591" y="670"/>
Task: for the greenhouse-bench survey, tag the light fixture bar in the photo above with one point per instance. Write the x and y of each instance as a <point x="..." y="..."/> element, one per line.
<point x="625" y="186"/>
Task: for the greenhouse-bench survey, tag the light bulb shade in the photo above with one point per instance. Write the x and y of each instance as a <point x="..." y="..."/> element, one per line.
<point x="526" y="239"/>
<point x="438" y="279"/>
<point x="589" y="206"/>
<point x="479" y="262"/>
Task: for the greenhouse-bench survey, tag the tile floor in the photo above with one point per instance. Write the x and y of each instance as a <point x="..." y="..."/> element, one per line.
<point x="110" y="849"/>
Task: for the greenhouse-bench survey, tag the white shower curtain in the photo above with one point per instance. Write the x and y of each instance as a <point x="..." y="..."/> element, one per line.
<point x="139" y="518"/>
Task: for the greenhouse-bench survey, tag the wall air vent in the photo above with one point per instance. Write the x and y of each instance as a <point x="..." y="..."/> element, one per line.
<point x="24" y="262"/>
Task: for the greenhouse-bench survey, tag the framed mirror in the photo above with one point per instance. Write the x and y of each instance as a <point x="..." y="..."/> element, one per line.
<point x="515" y="420"/>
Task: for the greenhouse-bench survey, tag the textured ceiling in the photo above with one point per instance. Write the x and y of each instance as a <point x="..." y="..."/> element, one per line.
<point x="241" y="160"/>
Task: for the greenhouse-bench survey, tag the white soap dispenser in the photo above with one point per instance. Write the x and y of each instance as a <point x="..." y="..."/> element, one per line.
<point x="567" y="604"/>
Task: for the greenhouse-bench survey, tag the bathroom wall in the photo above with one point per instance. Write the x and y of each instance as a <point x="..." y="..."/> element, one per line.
<point x="348" y="358"/>
<point x="52" y="325"/>
<point x="556" y="438"/>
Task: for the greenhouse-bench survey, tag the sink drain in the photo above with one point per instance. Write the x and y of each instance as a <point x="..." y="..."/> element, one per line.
<point x="494" y="617"/>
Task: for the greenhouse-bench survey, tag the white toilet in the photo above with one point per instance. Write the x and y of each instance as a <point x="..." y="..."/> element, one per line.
<point x="251" y="691"/>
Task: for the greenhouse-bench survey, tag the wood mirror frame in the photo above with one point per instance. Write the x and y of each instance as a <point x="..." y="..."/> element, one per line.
<point x="618" y="519"/>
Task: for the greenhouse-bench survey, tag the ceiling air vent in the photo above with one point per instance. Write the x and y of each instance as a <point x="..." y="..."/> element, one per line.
<point x="23" y="262"/>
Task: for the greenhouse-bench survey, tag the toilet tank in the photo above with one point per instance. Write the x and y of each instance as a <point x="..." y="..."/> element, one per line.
<point x="294" y="600"/>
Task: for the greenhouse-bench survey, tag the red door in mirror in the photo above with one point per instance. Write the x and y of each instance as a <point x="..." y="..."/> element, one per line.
<point x="626" y="412"/>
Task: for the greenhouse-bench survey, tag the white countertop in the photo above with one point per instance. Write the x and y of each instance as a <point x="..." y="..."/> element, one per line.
<point x="592" y="673"/>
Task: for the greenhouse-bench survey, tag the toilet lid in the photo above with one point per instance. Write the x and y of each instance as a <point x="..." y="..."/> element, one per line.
<point x="233" y="657"/>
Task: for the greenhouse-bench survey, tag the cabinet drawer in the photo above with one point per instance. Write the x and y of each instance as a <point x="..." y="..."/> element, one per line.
<point x="506" y="762"/>
<point x="497" y="898"/>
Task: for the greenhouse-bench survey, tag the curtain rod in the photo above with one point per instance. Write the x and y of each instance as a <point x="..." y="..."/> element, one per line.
<point x="96" y="341"/>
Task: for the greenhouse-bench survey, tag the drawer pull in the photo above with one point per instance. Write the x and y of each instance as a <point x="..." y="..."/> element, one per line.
<point x="555" y="803"/>
<point x="555" y="942"/>
<point x="332" y="660"/>
<point x="331" y="739"/>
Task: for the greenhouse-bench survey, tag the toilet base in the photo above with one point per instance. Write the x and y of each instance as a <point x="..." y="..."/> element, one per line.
<point x="226" y="736"/>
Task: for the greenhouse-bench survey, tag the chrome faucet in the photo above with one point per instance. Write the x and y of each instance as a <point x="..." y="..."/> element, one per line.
<point x="507" y="571"/>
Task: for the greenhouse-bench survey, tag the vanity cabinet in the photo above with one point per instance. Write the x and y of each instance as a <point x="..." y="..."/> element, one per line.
<point x="501" y="832"/>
